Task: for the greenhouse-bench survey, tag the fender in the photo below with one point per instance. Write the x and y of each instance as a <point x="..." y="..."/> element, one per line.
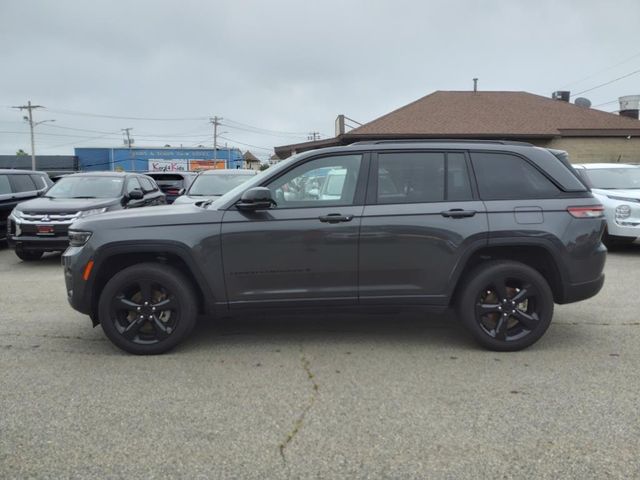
<point x="182" y="251"/>
<point x="543" y="243"/>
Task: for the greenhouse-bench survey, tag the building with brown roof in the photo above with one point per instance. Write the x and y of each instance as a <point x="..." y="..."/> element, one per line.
<point x="250" y="161"/>
<point x="588" y="135"/>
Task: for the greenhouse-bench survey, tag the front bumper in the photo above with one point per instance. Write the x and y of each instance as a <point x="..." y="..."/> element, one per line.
<point x="22" y="234"/>
<point x="41" y="244"/>
<point x="74" y="260"/>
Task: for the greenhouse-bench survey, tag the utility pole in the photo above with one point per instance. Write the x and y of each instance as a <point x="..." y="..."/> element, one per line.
<point x="313" y="136"/>
<point x="128" y="142"/>
<point x="215" y="121"/>
<point x="29" y="119"/>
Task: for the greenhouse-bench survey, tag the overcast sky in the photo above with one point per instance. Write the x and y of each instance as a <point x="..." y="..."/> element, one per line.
<point x="277" y="70"/>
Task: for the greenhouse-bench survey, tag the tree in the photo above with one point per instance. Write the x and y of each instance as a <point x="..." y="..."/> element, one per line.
<point x="21" y="153"/>
<point x="264" y="166"/>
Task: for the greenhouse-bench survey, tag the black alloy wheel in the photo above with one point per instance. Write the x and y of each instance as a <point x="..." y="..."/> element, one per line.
<point x="506" y="305"/>
<point x="147" y="308"/>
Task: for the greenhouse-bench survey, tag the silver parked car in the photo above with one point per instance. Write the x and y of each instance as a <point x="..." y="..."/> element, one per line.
<point x="212" y="184"/>
<point x="617" y="187"/>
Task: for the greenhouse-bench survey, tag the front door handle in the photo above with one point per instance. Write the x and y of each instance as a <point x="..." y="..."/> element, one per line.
<point x="458" y="213"/>
<point x="335" y="218"/>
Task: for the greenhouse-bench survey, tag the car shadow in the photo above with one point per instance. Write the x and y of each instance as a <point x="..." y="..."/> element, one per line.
<point x="287" y="329"/>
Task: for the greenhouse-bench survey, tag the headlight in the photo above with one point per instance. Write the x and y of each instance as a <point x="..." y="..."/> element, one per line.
<point x="16" y="213"/>
<point x="78" y="239"/>
<point x="94" y="211"/>
<point x="623" y="211"/>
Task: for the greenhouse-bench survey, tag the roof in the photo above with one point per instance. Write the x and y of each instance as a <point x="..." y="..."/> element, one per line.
<point x="250" y="157"/>
<point x="482" y="114"/>
<point x="516" y="114"/>
<point x="228" y="171"/>
<point x="104" y="173"/>
<point x="20" y="171"/>
<point x="595" y="166"/>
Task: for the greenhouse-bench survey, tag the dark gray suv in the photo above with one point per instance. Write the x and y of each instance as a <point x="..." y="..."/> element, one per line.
<point x="498" y="230"/>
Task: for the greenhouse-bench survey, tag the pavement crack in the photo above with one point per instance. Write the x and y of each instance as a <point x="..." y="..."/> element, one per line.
<point x="299" y="422"/>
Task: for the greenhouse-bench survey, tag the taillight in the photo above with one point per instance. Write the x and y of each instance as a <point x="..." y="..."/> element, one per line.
<point x="591" y="211"/>
<point x="172" y="191"/>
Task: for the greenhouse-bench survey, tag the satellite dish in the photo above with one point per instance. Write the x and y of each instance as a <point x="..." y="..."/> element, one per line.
<point x="583" y="102"/>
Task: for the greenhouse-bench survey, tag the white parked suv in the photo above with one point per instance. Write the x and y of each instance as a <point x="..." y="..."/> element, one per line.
<point x="617" y="187"/>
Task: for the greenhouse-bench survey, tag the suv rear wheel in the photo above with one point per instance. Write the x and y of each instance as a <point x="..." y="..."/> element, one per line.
<point x="28" y="255"/>
<point x="147" y="309"/>
<point x="506" y="305"/>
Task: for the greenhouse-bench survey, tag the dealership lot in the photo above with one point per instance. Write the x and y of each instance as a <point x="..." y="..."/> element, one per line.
<point x="384" y="396"/>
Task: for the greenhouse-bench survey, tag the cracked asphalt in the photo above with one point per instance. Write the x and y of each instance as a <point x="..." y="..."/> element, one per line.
<point x="379" y="396"/>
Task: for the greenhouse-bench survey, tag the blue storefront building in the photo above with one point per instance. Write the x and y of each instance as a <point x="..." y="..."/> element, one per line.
<point x="138" y="159"/>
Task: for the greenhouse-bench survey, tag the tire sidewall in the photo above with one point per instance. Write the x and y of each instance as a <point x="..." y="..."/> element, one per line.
<point x="164" y="275"/>
<point x="480" y="278"/>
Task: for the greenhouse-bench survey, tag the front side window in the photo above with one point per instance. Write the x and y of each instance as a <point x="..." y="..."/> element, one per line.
<point x="23" y="183"/>
<point x="133" y="184"/>
<point x="216" y="184"/>
<point x="422" y="177"/>
<point x="86" y="187"/>
<point x="321" y="182"/>
<point x="147" y="184"/>
<point x="505" y="177"/>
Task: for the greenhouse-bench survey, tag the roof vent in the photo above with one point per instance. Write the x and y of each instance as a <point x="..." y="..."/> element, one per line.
<point x="630" y="106"/>
<point x="583" y="102"/>
<point x="562" y="95"/>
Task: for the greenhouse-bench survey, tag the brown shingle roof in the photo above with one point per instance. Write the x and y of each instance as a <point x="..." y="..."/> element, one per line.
<point x="250" y="157"/>
<point x="466" y="113"/>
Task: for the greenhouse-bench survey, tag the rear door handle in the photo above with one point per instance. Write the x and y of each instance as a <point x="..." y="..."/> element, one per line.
<point x="335" y="218"/>
<point x="458" y="213"/>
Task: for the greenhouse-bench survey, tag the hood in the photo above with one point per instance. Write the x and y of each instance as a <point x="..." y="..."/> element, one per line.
<point x="627" y="193"/>
<point x="186" y="199"/>
<point x="165" y="215"/>
<point x="54" y="205"/>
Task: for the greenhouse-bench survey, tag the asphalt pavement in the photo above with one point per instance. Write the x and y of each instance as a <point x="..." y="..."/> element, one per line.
<point x="378" y="396"/>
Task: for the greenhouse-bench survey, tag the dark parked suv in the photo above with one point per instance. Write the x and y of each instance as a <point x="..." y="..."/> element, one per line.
<point x="499" y="230"/>
<point x="40" y="225"/>
<point x="17" y="186"/>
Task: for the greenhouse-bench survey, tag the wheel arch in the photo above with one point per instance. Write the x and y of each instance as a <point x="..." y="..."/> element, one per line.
<point x="113" y="258"/>
<point x="538" y="255"/>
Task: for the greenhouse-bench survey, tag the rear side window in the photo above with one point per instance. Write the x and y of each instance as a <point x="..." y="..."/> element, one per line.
<point x="422" y="177"/>
<point x="23" y="183"/>
<point x="504" y="177"/>
<point x="39" y="181"/>
<point x="5" y="186"/>
<point x="133" y="184"/>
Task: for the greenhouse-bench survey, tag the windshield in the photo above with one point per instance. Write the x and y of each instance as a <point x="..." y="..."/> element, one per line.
<point x="86" y="187"/>
<point x="216" y="184"/>
<point x="614" y="178"/>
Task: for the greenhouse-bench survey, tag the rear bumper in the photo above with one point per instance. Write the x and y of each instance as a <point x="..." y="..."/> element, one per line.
<point x="581" y="291"/>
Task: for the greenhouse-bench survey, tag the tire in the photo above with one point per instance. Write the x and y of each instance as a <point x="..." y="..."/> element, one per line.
<point x="147" y="329"/>
<point x="513" y="322"/>
<point x="28" y="255"/>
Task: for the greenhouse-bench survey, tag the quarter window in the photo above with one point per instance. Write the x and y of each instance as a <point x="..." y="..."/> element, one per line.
<point x="503" y="177"/>
<point x="23" y="183"/>
<point x="147" y="185"/>
<point x="322" y="182"/>
<point x="132" y="185"/>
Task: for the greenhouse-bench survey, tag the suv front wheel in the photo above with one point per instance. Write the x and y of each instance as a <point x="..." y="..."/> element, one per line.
<point x="147" y="309"/>
<point x="506" y="305"/>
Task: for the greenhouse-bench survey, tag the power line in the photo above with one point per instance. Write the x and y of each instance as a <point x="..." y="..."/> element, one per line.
<point x="606" y="83"/>
<point x="246" y="144"/>
<point x="600" y="71"/>
<point x="118" y="117"/>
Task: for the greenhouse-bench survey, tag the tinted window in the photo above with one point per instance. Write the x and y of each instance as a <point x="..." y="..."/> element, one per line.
<point x="503" y="176"/>
<point x="23" y="183"/>
<point x="147" y="185"/>
<point x="39" y="181"/>
<point x="5" y="187"/>
<point x="213" y="184"/>
<point x="614" y="178"/>
<point x="319" y="182"/>
<point x="422" y="177"/>
<point x="133" y="184"/>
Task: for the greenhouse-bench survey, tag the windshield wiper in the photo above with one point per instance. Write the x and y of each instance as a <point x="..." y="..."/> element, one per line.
<point x="83" y="197"/>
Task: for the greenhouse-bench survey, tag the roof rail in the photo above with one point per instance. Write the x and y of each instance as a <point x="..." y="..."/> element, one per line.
<point x="442" y="140"/>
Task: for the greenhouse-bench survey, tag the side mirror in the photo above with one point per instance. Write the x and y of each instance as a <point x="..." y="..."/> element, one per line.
<point x="136" y="195"/>
<point x="256" y="198"/>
